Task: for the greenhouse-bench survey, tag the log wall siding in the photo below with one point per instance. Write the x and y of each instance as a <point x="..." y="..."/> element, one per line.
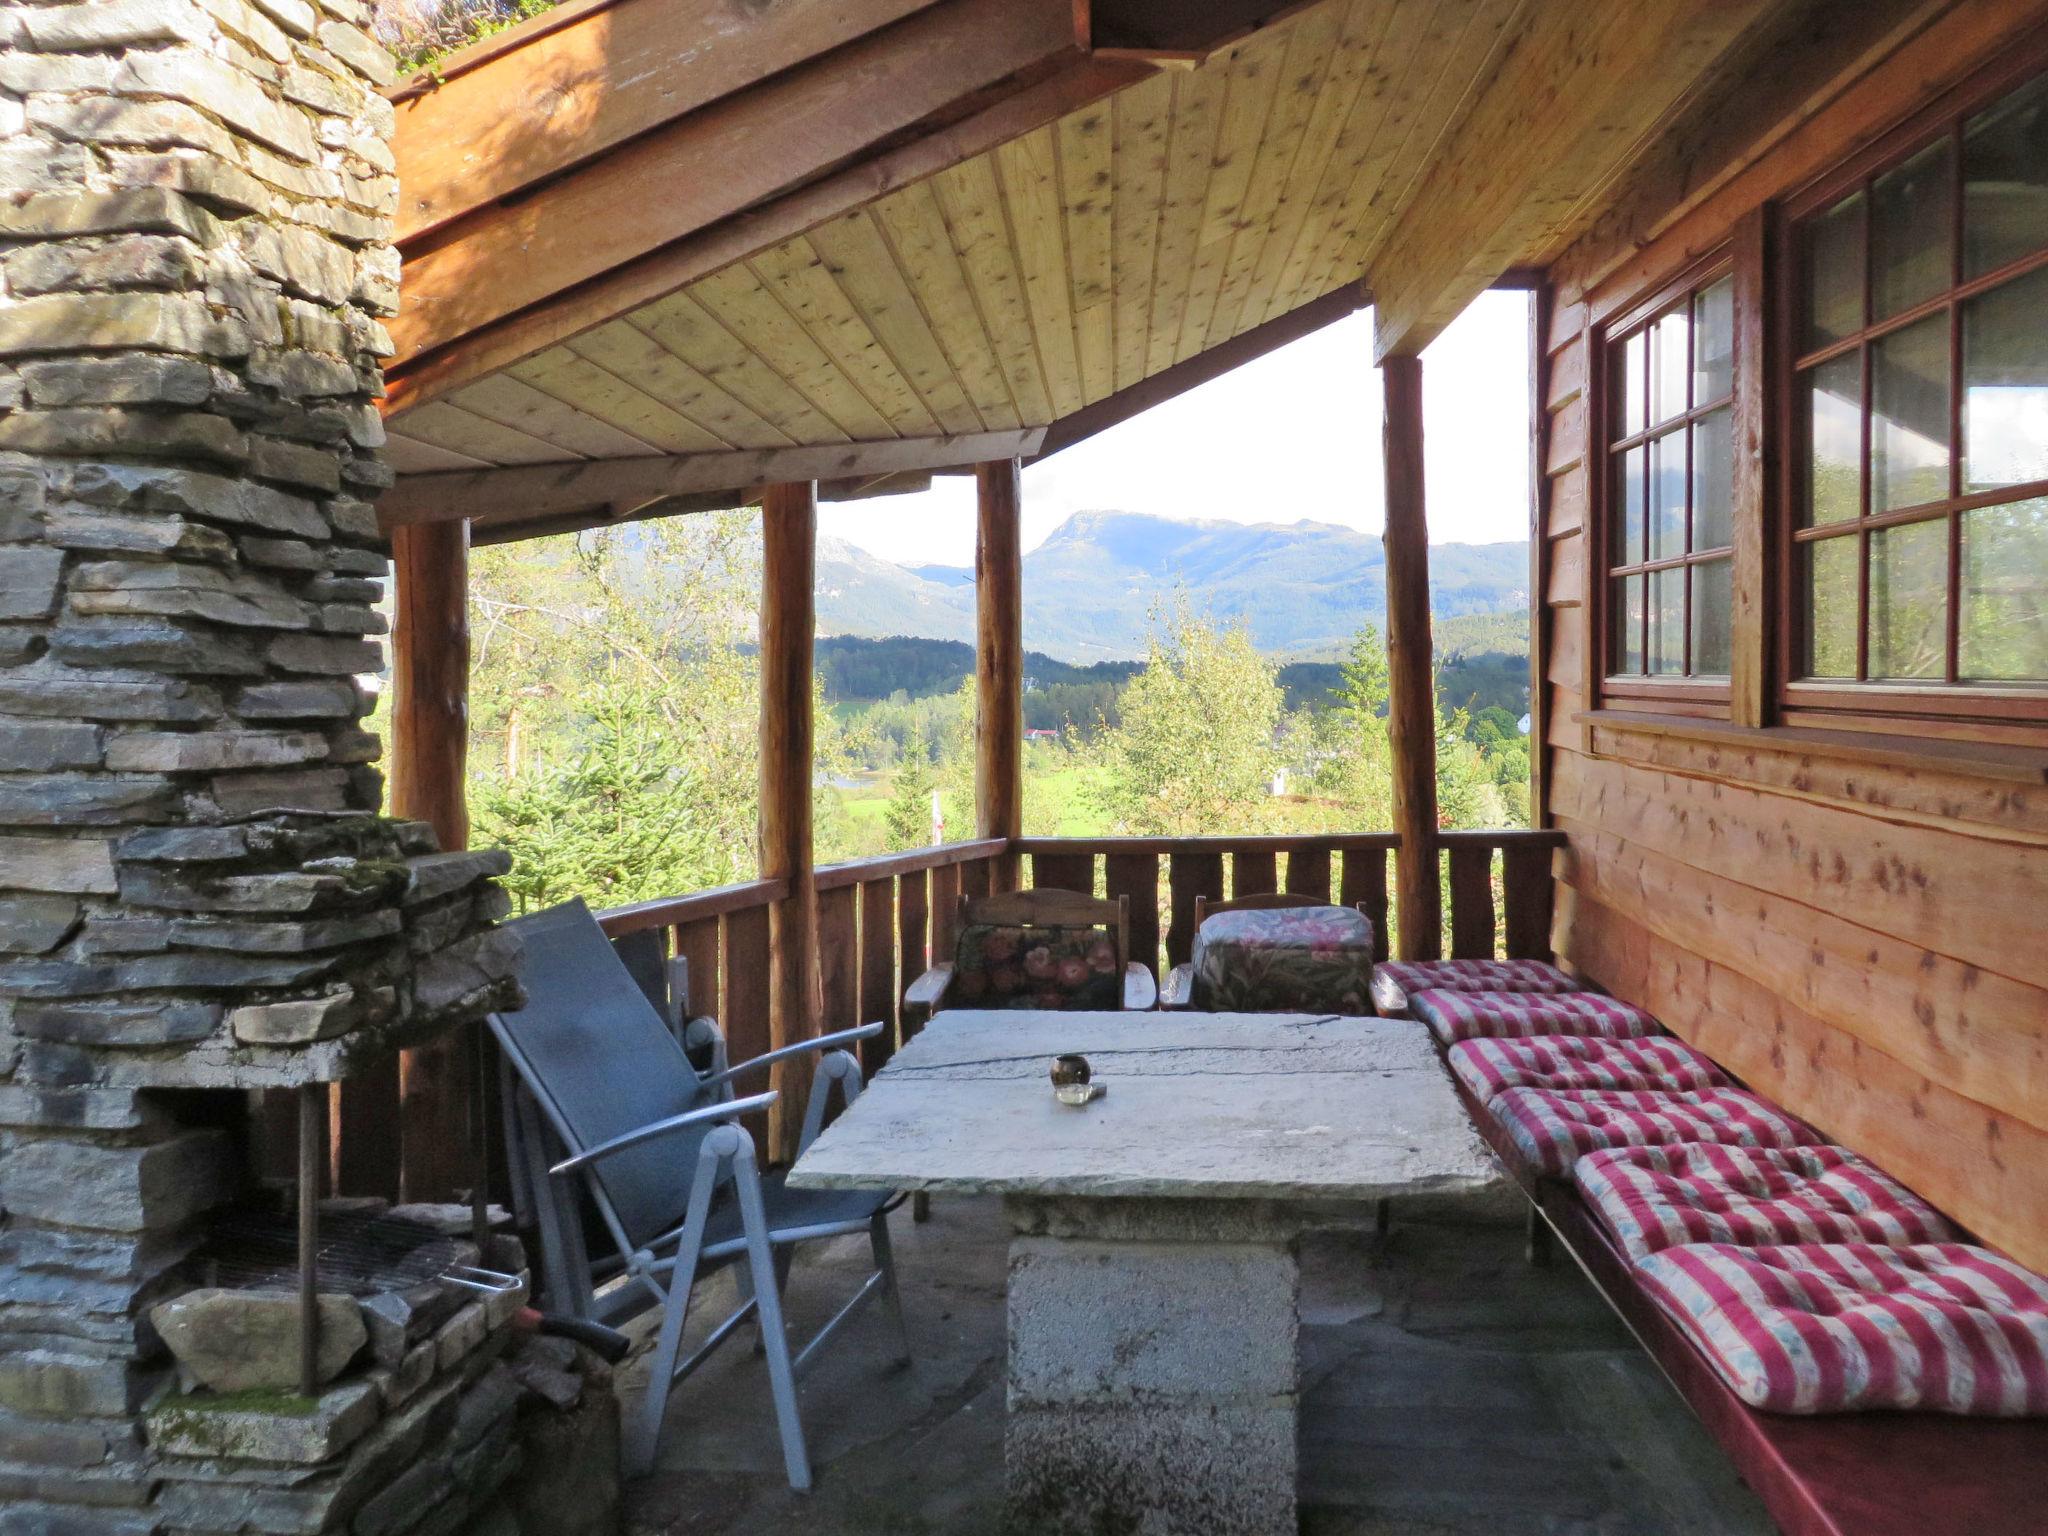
<point x="1860" y="939"/>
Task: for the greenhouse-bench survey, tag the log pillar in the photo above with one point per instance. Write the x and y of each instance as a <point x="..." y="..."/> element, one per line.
<point x="999" y="659"/>
<point x="1411" y="683"/>
<point x="434" y="1085"/>
<point x="789" y="531"/>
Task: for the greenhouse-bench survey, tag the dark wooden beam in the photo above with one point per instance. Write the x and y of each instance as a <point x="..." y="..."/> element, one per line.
<point x="1201" y="368"/>
<point x="789" y="535"/>
<point x="999" y="658"/>
<point x="612" y="490"/>
<point x="1411" y="683"/>
<point x="428" y="768"/>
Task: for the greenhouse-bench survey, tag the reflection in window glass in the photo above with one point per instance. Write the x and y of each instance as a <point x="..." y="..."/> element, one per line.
<point x="1831" y="272"/>
<point x="1629" y="544"/>
<point x="1834" y="434"/>
<point x="1830" y="581"/>
<point x="1667" y="621"/>
<point x="2005" y="593"/>
<point x="1670" y="365"/>
<point x="1631" y="383"/>
<point x="2005" y="181"/>
<point x="2005" y="384"/>
<point x="1713" y="600"/>
<point x="1713" y="469"/>
<point x="1910" y="232"/>
<point x="1713" y="342"/>
<point x="1909" y="415"/>
<point x="1628" y="624"/>
<point x="1909" y="601"/>
<point x="1667" y="495"/>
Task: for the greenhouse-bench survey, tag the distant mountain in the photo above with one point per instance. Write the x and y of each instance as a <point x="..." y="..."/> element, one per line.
<point x="1302" y="588"/>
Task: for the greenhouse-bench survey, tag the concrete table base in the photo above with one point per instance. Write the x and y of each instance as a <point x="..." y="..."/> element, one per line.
<point x="1154" y="1374"/>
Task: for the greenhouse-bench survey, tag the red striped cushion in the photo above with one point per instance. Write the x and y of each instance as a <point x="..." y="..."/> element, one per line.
<point x="1552" y="1129"/>
<point x="1837" y="1327"/>
<point x="1488" y="1067"/>
<point x="1658" y="1197"/>
<point x="1516" y="1015"/>
<point x="1395" y="981"/>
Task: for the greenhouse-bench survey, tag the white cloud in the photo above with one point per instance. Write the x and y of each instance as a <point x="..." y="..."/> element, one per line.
<point x="1294" y="434"/>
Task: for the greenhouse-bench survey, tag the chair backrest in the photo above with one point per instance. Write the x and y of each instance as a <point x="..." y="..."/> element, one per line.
<point x="600" y="1061"/>
<point x="1042" y="948"/>
<point x="1265" y="902"/>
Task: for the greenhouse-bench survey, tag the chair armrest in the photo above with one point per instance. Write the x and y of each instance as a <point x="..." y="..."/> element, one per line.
<point x="714" y="1112"/>
<point x="929" y="990"/>
<point x="1179" y="989"/>
<point x="801" y="1048"/>
<point x="1140" y="990"/>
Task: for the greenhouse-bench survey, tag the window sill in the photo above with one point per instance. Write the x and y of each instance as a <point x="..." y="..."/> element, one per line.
<point x="1991" y="760"/>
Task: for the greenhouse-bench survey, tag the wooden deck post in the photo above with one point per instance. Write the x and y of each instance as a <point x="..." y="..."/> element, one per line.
<point x="1411" y="684"/>
<point x="789" y="531"/>
<point x="426" y="1106"/>
<point x="999" y="660"/>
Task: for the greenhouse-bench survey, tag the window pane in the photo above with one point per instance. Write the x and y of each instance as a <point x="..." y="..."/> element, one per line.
<point x="1667" y="495"/>
<point x="1670" y="365"/>
<point x="1713" y="342"/>
<point x="1630" y="379"/>
<point x="1909" y="601"/>
<point x="2005" y="384"/>
<point x="1628" y="625"/>
<point x="1831" y="272"/>
<point x="1909" y="415"/>
<point x="1830" y="580"/>
<point x="1910" y="232"/>
<point x="1629" y="502"/>
<point x="1667" y="621"/>
<point x="2005" y="181"/>
<point x="1713" y="600"/>
<point x="2005" y="593"/>
<point x="1834" y="434"/>
<point x="1713" y="468"/>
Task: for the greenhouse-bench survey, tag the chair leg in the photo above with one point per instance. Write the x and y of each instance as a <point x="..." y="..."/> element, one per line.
<point x="762" y="1262"/>
<point x="1382" y="1216"/>
<point x="920" y="1205"/>
<point x="885" y="1261"/>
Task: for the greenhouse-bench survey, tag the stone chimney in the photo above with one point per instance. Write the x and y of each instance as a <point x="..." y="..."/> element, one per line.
<point x="196" y="892"/>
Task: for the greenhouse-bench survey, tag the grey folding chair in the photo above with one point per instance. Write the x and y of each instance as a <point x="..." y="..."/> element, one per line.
<point x="658" y="1150"/>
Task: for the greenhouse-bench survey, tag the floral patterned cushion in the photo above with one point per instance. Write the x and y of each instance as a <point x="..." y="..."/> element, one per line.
<point x="1552" y="1129"/>
<point x="1519" y="1015"/>
<point x="1842" y="1327"/>
<point x="1395" y="981"/>
<point x="1653" y="1198"/>
<point x="1284" y="960"/>
<point x="1488" y="1067"/>
<point x="1035" y="967"/>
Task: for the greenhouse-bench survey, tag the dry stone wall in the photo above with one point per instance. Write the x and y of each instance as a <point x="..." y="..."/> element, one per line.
<point x="196" y="894"/>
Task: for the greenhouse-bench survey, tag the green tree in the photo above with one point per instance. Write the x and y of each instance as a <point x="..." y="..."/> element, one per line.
<point x="909" y="816"/>
<point x="1194" y="749"/>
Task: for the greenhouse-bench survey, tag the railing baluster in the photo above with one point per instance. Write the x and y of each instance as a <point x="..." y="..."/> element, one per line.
<point x="1192" y="872"/>
<point x="696" y="945"/>
<point x="838" y="958"/>
<point x="1526" y="894"/>
<point x="1136" y="875"/>
<point x="945" y="910"/>
<point x="1308" y="871"/>
<point x="1472" y="924"/>
<point x="1365" y="885"/>
<point x="745" y="1019"/>
<point x="1253" y="872"/>
<point x="1065" y="871"/>
<point x="913" y="927"/>
<point x="879" y="989"/>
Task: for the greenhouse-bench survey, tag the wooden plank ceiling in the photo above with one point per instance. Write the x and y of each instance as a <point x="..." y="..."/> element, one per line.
<point x="1421" y="146"/>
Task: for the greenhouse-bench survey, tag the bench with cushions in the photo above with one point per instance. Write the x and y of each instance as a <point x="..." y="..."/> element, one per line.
<point x="1797" y="1296"/>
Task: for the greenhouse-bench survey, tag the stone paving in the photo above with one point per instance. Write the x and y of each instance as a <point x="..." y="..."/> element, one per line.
<point x="1450" y="1388"/>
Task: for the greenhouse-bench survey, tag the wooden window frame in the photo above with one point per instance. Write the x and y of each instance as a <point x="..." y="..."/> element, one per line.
<point x="1708" y="697"/>
<point x="2016" y="712"/>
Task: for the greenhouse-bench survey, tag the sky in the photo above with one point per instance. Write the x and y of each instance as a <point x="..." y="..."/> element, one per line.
<point x="1292" y="435"/>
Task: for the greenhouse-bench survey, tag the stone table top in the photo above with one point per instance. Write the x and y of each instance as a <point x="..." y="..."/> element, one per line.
<point x="1235" y="1106"/>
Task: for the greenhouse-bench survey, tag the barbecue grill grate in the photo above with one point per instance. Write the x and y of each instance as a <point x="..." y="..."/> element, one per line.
<point x="359" y="1254"/>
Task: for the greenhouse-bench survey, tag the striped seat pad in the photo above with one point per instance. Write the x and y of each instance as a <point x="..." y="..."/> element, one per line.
<point x="1488" y="1067"/>
<point x="1553" y="1128"/>
<point x="1839" y="1327"/>
<point x="1458" y="1016"/>
<point x="1658" y="1197"/>
<point x="1395" y="981"/>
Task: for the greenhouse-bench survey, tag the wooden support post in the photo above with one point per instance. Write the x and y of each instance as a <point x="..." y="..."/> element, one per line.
<point x="1411" y="683"/>
<point x="432" y="1091"/>
<point x="999" y="660"/>
<point x="789" y="533"/>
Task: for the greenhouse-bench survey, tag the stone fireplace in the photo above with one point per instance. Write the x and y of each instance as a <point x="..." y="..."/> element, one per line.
<point x="198" y="897"/>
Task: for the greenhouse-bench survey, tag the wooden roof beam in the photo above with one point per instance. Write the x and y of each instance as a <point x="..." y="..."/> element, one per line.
<point x="554" y="498"/>
<point x="1579" y="92"/>
<point x="712" y="165"/>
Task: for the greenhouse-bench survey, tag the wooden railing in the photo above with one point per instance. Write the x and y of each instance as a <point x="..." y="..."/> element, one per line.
<point x="882" y="920"/>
